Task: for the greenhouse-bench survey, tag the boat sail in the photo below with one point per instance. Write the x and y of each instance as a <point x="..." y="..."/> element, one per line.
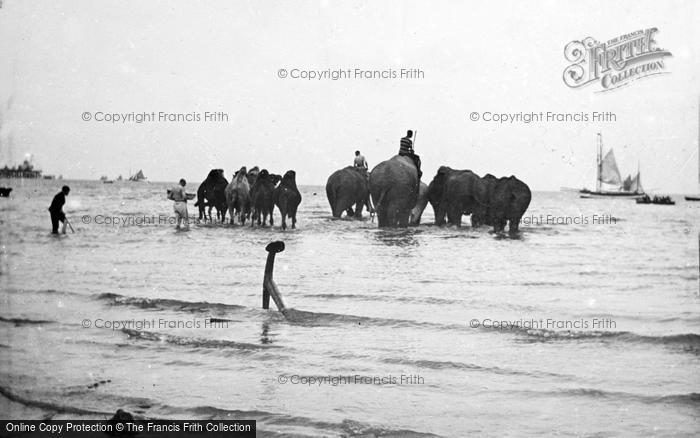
<point x="138" y="177"/>
<point x="608" y="179"/>
<point x="633" y="184"/>
<point x="609" y="173"/>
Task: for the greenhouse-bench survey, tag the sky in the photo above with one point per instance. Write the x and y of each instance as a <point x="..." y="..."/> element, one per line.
<point x="61" y="59"/>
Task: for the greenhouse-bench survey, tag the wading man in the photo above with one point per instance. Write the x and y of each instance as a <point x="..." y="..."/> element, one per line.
<point x="56" y="210"/>
<point x="179" y="195"/>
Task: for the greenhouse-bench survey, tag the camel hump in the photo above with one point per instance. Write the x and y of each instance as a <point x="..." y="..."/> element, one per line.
<point x="276" y="246"/>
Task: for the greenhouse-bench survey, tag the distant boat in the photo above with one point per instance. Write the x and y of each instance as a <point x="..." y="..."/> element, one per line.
<point x="692" y="198"/>
<point x="659" y="200"/>
<point x="120" y="178"/>
<point x="5" y="192"/>
<point x="106" y="180"/>
<point x="138" y="177"/>
<point x="607" y="173"/>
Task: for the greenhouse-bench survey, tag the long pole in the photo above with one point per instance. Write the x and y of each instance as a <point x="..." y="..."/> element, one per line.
<point x="269" y="286"/>
<point x="70" y="226"/>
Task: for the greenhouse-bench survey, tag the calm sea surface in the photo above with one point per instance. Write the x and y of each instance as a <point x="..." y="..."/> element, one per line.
<point x="383" y="338"/>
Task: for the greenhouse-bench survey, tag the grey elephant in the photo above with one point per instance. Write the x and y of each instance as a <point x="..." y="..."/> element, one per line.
<point x="453" y="193"/>
<point x="421" y="203"/>
<point x="346" y="188"/>
<point x="509" y="201"/>
<point x="394" y="185"/>
<point x="482" y="216"/>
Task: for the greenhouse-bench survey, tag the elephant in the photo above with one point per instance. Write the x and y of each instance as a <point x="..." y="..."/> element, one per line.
<point x="212" y="193"/>
<point x="287" y="198"/>
<point x="238" y="196"/>
<point x="453" y="193"/>
<point x="261" y="197"/>
<point x="483" y="217"/>
<point x="393" y="185"/>
<point x="422" y="202"/>
<point x="509" y="201"/>
<point x="347" y="187"/>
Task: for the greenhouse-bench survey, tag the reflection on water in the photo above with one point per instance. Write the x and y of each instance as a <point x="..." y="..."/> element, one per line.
<point x="264" y="336"/>
<point x="403" y="238"/>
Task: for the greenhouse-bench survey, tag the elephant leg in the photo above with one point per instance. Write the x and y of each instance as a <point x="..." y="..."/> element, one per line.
<point x="454" y="216"/>
<point x="350" y="212"/>
<point x="392" y="218"/>
<point x="499" y="224"/>
<point x="513" y="225"/>
<point x="440" y="214"/>
<point x="358" y="210"/>
<point x="294" y="220"/>
<point x="403" y="219"/>
<point x="272" y="221"/>
<point x="284" y="221"/>
<point x="382" y="219"/>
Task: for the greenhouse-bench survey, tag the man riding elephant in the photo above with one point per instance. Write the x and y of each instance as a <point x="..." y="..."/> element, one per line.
<point x="406" y="150"/>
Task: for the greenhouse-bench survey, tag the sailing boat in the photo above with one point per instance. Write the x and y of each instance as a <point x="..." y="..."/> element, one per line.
<point x="138" y="177"/>
<point x="608" y="179"/>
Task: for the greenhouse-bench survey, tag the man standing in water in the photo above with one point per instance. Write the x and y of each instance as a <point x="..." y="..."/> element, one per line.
<point x="406" y="149"/>
<point x="179" y="195"/>
<point x="56" y="210"/>
<point x="360" y="161"/>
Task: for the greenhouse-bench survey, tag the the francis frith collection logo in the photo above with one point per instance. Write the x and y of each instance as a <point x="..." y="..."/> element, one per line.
<point x="616" y="62"/>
